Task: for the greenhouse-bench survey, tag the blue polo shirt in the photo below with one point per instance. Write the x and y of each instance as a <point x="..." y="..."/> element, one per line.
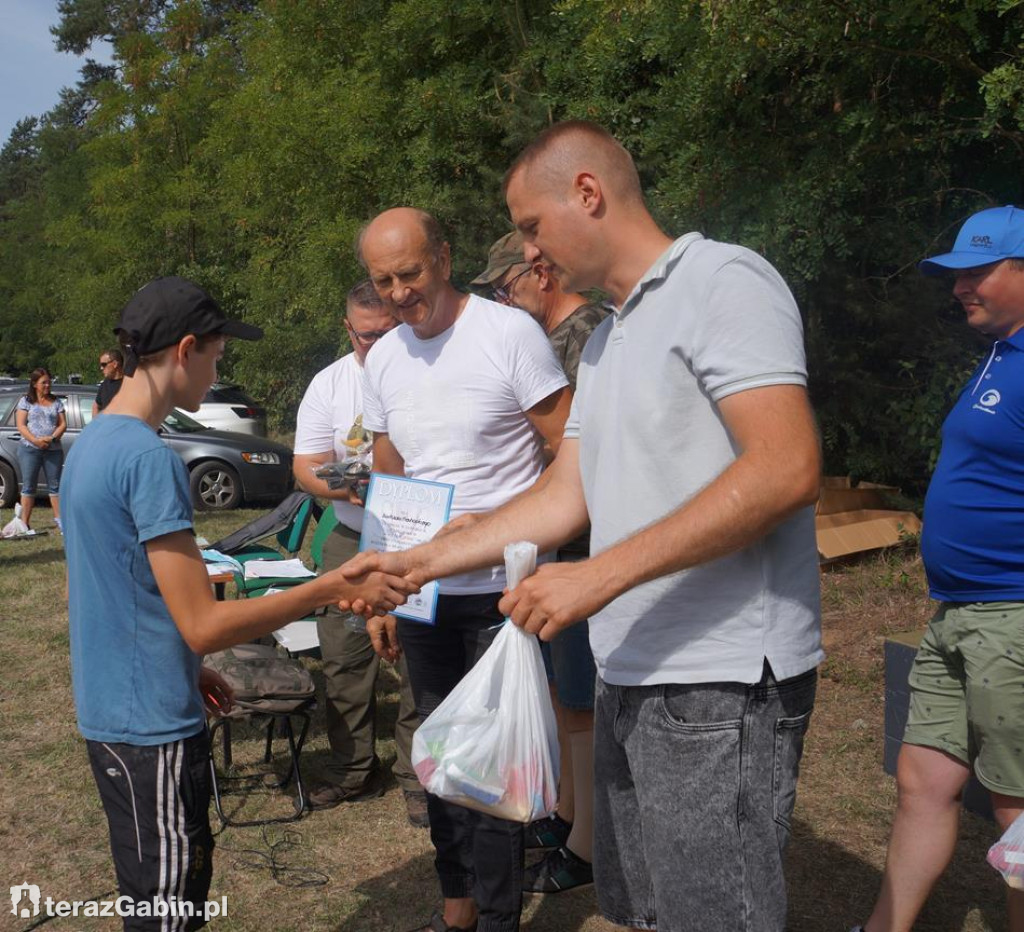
<point x="973" y="538"/>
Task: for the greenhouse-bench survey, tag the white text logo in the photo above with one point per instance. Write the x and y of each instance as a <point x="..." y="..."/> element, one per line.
<point x="27" y="901"/>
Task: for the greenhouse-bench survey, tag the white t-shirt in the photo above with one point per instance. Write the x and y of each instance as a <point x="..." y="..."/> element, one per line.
<point x="454" y="406"/>
<point x="708" y="320"/>
<point x="329" y="411"/>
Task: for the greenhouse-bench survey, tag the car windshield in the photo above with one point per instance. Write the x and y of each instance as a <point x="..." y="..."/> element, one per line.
<point x="181" y="423"/>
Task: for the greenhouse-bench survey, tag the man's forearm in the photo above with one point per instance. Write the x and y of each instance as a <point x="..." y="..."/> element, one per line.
<point x="319" y="488"/>
<point x="742" y="505"/>
<point x="539" y="515"/>
<point x="303" y="468"/>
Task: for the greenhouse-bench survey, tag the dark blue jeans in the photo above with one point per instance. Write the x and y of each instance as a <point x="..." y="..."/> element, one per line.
<point x="32" y="459"/>
<point x="477" y="855"/>
<point x="694" y="791"/>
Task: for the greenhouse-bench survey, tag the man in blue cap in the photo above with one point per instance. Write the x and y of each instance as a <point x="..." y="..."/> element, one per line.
<point x="967" y="683"/>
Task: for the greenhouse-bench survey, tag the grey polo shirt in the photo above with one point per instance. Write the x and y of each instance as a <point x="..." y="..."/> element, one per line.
<point x="706" y="321"/>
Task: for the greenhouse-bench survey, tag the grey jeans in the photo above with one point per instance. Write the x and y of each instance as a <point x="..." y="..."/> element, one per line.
<point x="694" y="791"/>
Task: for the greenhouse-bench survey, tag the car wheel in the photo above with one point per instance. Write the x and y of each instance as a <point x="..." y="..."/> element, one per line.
<point x="215" y="487"/>
<point x="8" y="486"/>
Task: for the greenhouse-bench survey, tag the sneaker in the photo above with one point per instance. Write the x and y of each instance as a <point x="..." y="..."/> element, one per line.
<point x="60" y="527"/>
<point x="325" y="795"/>
<point x="416" y="807"/>
<point x="558" y="870"/>
<point x="550" y="832"/>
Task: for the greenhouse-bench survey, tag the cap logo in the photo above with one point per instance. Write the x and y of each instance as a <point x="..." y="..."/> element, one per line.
<point x="981" y="242"/>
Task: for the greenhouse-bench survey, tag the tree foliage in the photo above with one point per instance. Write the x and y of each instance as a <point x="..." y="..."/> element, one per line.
<point x="244" y="143"/>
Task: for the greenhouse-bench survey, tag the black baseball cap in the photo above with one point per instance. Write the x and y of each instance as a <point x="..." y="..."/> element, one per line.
<point x="166" y="310"/>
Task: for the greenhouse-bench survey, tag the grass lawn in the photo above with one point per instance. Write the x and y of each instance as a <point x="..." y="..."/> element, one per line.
<point x="362" y="868"/>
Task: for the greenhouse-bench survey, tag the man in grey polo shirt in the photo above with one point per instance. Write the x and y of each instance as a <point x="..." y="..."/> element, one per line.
<point x="693" y="448"/>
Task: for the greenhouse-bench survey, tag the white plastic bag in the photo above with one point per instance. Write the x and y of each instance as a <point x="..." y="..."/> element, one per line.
<point x="492" y="745"/>
<point x="15" y="527"/>
<point x="1007" y="854"/>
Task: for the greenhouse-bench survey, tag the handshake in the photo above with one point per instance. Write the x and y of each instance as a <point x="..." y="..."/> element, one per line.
<point x="555" y="596"/>
<point x="373" y="584"/>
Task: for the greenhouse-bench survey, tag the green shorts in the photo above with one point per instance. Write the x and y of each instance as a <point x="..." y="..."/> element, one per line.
<point x="967" y="690"/>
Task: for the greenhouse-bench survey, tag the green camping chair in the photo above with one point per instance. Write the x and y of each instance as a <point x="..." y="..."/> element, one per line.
<point x="287" y="523"/>
<point x="249" y="588"/>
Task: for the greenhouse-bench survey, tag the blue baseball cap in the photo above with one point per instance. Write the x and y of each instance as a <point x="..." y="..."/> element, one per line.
<point x="989" y="236"/>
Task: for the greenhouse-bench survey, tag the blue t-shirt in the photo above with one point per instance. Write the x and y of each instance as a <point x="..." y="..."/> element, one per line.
<point x="135" y="679"/>
<point x="973" y="537"/>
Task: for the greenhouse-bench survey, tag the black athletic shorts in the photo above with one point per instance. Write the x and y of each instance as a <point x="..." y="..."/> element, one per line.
<point x="157" y="801"/>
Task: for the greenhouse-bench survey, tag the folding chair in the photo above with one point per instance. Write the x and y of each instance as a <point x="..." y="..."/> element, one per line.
<point x="324" y="526"/>
<point x="287" y="522"/>
<point x="268" y="686"/>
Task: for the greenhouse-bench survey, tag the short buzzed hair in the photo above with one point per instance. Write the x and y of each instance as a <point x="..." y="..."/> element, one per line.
<point x="365" y="295"/>
<point x="431" y="230"/>
<point x="559" y="147"/>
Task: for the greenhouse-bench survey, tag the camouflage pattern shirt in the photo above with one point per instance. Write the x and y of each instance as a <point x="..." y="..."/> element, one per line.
<point x="571" y="335"/>
<point x="568" y="340"/>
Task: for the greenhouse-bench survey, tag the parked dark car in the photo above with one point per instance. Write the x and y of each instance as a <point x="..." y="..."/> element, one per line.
<point x="224" y="468"/>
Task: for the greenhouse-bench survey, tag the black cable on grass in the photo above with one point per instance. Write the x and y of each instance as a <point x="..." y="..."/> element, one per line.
<point x="255" y="859"/>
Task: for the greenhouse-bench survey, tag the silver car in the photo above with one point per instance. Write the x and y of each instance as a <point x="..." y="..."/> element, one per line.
<point x="224" y="468"/>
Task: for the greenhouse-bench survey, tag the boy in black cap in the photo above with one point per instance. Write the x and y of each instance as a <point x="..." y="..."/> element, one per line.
<point x="142" y="611"/>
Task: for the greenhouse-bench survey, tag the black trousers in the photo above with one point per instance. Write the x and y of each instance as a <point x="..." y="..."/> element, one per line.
<point x="477" y="855"/>
<point x="157" y="801"/>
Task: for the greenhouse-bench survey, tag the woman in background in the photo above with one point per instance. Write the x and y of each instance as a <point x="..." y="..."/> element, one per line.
<point x="41" y="422"/>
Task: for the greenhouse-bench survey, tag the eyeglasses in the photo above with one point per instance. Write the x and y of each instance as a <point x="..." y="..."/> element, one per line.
<point x="366" y="337"/>
<point x="105" y="363"/>
<point x="503" y="293"/>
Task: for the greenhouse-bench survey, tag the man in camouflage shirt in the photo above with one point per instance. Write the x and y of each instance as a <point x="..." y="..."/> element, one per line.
<point x="568" y="319"/>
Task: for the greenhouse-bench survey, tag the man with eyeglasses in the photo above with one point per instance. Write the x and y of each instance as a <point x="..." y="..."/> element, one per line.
<point x="568" y="319"/>
<point x="329" y="427"/>
<point x="112" y="367"/>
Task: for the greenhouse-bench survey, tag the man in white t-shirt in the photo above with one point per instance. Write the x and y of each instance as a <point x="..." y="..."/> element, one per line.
<point x="329" y="428"/>
<point x="692" y="447"/>
<point x="466" y="393"/>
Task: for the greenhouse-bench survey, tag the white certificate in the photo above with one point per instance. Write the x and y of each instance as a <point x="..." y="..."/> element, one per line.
<point x="401" y="513"/>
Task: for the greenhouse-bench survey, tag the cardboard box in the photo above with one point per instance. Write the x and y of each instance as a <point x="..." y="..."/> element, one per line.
<point x="838" y="494"/>
<point x="851" y="519"/>
<point x="856" y="531"/>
